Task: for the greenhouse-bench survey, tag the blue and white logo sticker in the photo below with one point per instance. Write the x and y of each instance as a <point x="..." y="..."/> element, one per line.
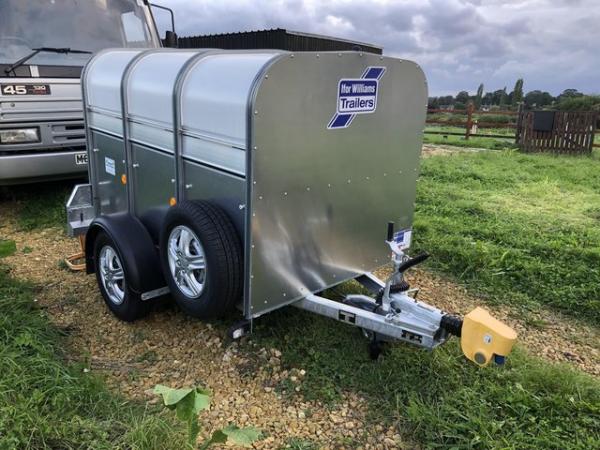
<point x="356" y="96"/>
<point x="403" y="238"/>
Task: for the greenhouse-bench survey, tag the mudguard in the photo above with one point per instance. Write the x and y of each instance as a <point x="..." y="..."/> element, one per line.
<point x="134" y="244"/>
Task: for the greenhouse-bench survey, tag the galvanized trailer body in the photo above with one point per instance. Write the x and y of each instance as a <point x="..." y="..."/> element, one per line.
<point x="261" y="178"/>
<point x="263" y="134"/>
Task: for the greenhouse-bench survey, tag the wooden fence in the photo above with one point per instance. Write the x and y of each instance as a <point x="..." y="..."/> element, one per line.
<point x="472" y="126"/>
<point x="570" y="132"/>
<point x="557" y="131"/>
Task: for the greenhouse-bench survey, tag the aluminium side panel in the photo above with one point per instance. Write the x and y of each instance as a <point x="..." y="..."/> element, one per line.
<point x="324" y="184"/>
<point x="102" y="78"/>
<point x="148" y="96"/>
<point x="101" y="84"/>
<point x="110" y="194"/>
<point x="150" y="93"/>
<point x="214" y="99"/>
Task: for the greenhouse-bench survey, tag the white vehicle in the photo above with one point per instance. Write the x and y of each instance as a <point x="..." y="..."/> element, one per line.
<point x="44" y="45"/>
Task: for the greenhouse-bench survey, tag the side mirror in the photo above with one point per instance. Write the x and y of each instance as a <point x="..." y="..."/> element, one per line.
<point x="171" y="40"/>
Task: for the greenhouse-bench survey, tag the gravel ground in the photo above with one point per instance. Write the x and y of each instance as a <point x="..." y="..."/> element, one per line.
<point x="172" y="349"/>
<point x="447" y="150"/>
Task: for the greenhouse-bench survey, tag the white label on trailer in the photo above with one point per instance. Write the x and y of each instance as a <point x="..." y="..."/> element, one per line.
<point x="403" y="237"/>
<point x="109" y="166"/>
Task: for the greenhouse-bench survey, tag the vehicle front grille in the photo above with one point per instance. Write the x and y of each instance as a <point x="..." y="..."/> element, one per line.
<point x="63" y="133"/>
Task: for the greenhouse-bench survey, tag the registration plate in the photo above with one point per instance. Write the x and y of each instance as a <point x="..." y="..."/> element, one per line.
<point x="25" y="89"/>
<point x="81" y="159"/>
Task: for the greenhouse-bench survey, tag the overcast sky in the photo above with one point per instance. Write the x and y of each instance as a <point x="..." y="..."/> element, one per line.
<point x="552" y="44"/>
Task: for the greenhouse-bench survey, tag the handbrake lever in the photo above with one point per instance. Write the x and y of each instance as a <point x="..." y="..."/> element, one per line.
<point x="413" y="262"/>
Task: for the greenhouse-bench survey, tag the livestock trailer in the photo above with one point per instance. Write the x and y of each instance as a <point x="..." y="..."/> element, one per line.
<point x="256" y="180"/>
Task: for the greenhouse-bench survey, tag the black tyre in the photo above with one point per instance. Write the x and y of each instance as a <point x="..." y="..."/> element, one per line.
<point x="113" y="281"/>
<point x="201" y="257"/>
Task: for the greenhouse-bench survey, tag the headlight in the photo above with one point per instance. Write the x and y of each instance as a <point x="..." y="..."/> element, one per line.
<point x="19" y="136"/>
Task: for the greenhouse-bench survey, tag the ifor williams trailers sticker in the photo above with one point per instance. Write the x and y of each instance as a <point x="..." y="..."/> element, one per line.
<point x="356" y="96"/>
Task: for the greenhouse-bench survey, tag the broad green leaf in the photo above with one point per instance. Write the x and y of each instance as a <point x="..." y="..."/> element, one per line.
<point x="171" y="396"/>
<point x="185" y="408"/>
<point x="188" y="403"/>
<point x="192" y="404"/>
<point x="241" y="436"/>
<point x="201" y="400"/>
<point x="218" y="437"/>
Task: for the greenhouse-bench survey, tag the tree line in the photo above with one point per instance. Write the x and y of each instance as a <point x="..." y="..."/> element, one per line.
<point x="501" y="99"/>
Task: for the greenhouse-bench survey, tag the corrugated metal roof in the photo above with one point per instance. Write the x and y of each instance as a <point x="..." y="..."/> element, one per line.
<point x="277" y="38"/>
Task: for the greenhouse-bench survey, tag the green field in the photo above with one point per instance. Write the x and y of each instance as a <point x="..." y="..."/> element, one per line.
<point x="40" y="205"/>
<point x="475" y="141"/>
<point x="461" y="116"/>
<point x="520" y="229"/>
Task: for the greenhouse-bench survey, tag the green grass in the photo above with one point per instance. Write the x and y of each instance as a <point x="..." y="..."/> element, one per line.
<point x="473" y="141"/>
<point x="520" y="229"/>
<point x="300" y="444"/>
<point x="461" y="116"/>
<point x="7" y="248"/>
<point x="47" y="404"/>
<point x="39" y="205"/>
<point x="438" y="399"/>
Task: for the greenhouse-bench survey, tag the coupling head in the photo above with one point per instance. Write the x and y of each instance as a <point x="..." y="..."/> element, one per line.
<point x="485" y="339"/>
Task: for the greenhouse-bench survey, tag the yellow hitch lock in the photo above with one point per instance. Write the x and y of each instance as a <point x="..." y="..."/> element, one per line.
<point x="484" y="338"/>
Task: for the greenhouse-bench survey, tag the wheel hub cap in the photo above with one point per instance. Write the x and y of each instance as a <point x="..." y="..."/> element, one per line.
<point x="111" y="274"/>
<point x="187" y="261"/>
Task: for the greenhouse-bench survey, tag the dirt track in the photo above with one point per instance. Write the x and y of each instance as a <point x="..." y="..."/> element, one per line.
<point x="170" y="348"/>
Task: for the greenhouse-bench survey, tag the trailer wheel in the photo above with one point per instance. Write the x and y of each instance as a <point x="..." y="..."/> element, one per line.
<point x="201" y="257"/>
<point x="111" y="276"/>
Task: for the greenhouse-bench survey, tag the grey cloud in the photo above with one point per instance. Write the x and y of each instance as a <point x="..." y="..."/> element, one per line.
<point x="460" y="43"/>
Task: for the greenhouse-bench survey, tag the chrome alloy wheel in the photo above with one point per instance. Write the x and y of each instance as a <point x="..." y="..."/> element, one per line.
<point x="112" y="275"/>
<point x="187" y="261"/>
